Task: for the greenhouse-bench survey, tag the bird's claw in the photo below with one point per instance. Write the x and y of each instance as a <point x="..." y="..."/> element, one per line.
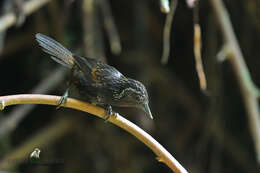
<point x="109" y="113"/>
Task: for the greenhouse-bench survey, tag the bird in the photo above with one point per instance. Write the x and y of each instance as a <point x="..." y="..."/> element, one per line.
<point x="97" y="82"/>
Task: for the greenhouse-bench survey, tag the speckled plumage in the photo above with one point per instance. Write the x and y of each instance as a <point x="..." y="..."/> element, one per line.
<point x="97" y="82"/>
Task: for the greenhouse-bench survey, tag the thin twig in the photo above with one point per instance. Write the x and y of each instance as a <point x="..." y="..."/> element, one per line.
<point x="92" y="35"/>
<point x="249" y="91"/>
<point x="29" y="7"/>
<point x="110" y="27"/>
<point x="167" y="32"/>
<point x="198" y="59"/>
<point x="197" y="48"/>
<point x="162" y="154"/>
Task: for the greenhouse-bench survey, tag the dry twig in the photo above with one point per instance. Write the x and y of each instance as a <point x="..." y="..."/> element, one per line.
<point x="92" y="34"/>
<point x="197" y="48"/>
<point x="167" y="32"/>
<point x="110" y="27"/>
<point x="197" y="54"/>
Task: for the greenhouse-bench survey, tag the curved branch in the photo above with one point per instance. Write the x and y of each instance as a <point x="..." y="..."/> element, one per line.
<point x="162" y="154"/>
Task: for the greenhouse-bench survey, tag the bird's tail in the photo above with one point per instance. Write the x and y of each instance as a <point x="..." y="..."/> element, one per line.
<point x="58" y="52"/>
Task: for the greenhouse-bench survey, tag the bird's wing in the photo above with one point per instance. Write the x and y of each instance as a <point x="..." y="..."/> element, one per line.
<point x="83" y="64"/>
<point x="98" y="72"/>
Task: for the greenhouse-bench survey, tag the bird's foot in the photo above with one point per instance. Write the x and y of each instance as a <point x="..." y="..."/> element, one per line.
<point x="109" y="113"/>
<point x="63" y="99"/>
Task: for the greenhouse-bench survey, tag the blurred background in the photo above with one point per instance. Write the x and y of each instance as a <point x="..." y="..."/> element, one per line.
<point x="206" y="130"/>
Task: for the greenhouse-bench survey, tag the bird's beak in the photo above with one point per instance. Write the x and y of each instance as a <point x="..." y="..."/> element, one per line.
<point x="147" y="110"/>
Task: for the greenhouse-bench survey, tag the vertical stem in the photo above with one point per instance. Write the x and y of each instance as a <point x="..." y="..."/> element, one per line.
<point x="249" y="91"/>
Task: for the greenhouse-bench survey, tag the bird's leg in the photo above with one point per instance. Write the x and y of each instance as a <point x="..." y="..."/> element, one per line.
<point x="109" y="112"/>
<point x="63" y="98"/>
<point x="66" y="94"/>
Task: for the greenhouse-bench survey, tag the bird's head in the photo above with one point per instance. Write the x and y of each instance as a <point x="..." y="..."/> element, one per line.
<point x="135" y="95"/>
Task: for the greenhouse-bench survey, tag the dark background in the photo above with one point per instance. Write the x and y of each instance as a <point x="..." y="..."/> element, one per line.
<point x="205" y="131"/>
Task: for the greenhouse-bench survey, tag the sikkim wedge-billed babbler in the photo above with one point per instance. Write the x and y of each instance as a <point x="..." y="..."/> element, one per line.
<point x="97" y="82"/>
